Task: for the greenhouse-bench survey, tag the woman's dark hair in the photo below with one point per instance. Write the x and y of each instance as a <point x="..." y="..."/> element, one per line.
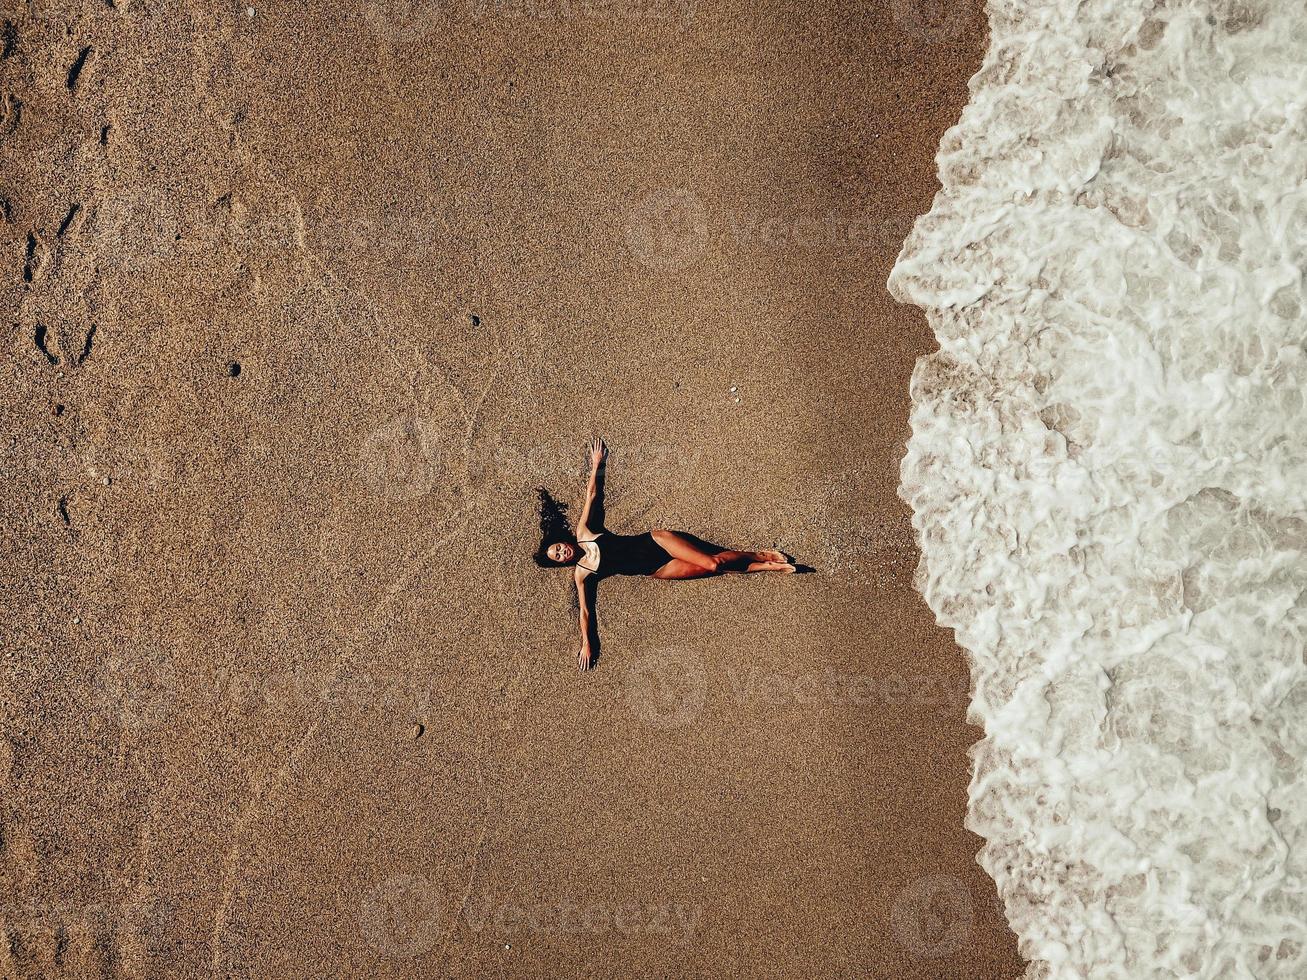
<point x="554" y="527"/>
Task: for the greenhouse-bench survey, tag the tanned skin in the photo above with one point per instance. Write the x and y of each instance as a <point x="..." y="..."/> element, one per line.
<point x="689" y="558"/>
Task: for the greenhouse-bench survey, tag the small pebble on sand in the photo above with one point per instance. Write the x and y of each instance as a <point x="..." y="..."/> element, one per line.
<point x="417" y="730"/>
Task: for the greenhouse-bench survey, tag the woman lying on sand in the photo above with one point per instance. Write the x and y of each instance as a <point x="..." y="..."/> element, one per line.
<point x="597" y="553"/>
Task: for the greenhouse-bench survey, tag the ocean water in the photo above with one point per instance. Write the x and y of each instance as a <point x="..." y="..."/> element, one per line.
<point x="1108" y="472"/>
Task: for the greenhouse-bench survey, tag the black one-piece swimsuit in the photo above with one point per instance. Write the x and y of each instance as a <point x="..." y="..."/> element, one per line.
<point x="629" y="554"/>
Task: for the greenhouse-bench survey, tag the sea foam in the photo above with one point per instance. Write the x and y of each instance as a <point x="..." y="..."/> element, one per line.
<point x="1108" y="472"/>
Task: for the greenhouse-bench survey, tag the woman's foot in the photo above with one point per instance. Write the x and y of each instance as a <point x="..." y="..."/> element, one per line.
<point x="771" y="556"/>
<point x="771" y="566"/>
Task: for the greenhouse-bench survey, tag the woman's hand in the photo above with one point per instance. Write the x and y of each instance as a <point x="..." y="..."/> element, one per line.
<point x="584" y="658"/>
<point x="598" y="452"/>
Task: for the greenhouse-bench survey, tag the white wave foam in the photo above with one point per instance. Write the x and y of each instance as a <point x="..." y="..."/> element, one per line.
<point x="1108" y="471"/>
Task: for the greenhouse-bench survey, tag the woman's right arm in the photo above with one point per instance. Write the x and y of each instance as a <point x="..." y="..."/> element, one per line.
<point x="585" y="591"/>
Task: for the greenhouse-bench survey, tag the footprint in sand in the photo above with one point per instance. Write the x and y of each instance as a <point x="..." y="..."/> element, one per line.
<point x="53" y="349"/>
<point x="32" y="938"/>
<point x="11" y="115"/>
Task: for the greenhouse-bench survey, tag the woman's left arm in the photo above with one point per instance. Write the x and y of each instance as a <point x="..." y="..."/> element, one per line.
<point x="592" y="514"/>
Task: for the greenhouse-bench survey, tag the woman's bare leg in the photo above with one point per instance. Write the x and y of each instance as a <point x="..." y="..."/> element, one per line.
<point x="678" y="569"/>
<point x="679" y="546"/>
<point x="683" y="548"/>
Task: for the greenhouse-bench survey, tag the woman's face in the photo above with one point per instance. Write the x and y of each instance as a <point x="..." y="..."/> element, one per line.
<point x="561" y="552"/>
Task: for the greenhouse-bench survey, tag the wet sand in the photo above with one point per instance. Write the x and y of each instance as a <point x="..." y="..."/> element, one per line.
<point x="303" y="302"/>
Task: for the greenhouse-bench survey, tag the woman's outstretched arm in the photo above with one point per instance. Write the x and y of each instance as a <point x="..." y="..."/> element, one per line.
<point x="585" y="596"/>
<point x="592" y="514"/>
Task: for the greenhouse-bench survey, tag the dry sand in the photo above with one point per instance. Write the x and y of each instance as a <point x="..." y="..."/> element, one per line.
<point x="302" y="301"/>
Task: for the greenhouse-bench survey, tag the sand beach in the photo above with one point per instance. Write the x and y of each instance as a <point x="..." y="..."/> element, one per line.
<point x="302" y="302"/>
